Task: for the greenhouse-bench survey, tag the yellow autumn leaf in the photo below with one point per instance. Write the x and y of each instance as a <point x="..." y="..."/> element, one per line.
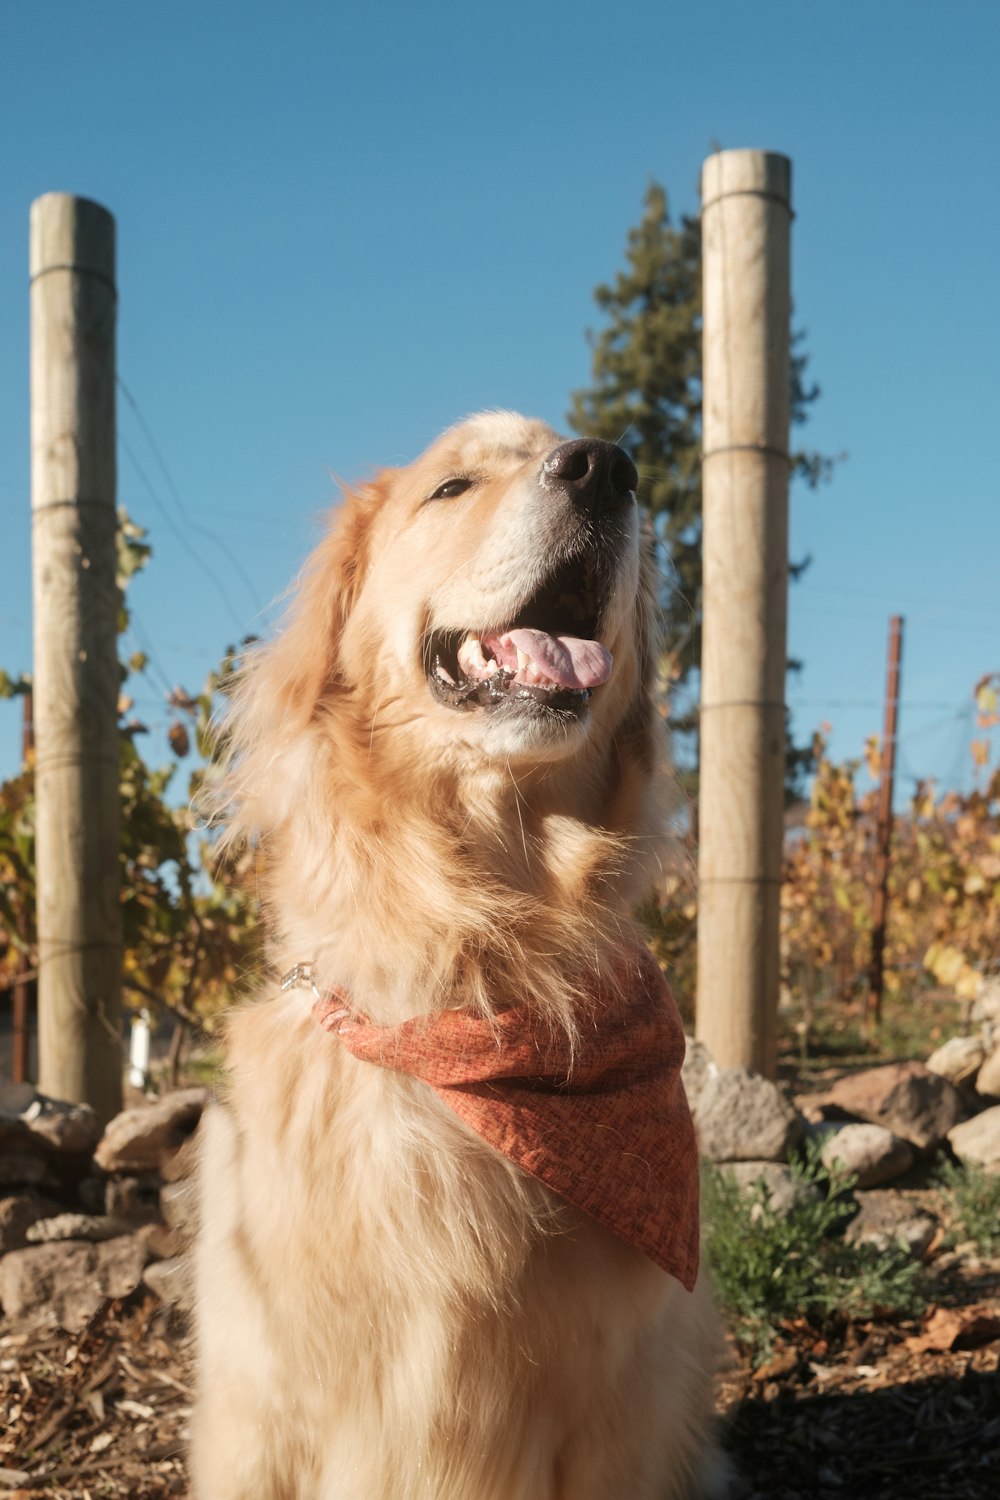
<point x="873" y="756"/>
<point x="944" y="962"/>
<point x="841" y="897"/>
<point x="967" y="987"/>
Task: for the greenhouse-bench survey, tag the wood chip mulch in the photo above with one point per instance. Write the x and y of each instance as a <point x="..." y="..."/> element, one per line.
<point x="873" y="1411"/>
<point x="936" y="1438"/>
<point x="103" y="1413"/>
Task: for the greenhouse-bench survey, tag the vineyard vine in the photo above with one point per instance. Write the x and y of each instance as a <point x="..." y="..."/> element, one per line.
<point x="190" y="931"/>
<point x="943" y="928"/>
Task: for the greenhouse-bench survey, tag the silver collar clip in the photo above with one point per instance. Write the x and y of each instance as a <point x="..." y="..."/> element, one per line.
<point x="299" y="978"/>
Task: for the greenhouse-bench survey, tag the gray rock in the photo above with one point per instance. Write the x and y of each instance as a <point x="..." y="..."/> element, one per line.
<point x="958" y="1059"/>
<point x="137" y="1139"/>
<point x="906" y="1098"/>
<point x="161" y="1243"/>
<point x="986" y="1006"/>
<point x="92" y="1227"/>
<point x="70" y="1128"/>
<point x="17" y="1215"/>
<point x="23" y="1164"/>
<point x="170" y="1280"/>
<point x="25" y="1159"/>
<point x="785" y="1191"/>
<point x="871" y="1152"/>
<point x="90" y="1193"/>
<point x="135" y="1199"/>
<point x="887" y="1218"/>
<point x="988" y="1077"/>
<point x="15" y="1098"/>
<point x="698" y="1068"/>
<point x="42" y="1140"/>
<point x="66" y="1283"/>
<point x="743" y="1117"/>
<point x="977" y="1141"/>
<point x="177" y="1165"/>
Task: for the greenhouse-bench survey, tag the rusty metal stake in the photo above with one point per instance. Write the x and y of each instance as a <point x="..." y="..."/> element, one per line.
<point x="883" y="834"/>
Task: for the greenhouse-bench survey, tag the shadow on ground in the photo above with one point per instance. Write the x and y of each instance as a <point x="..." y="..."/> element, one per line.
<point x="932" y="1439"/>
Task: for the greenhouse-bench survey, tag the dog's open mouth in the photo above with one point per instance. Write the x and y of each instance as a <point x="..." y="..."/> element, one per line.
<point x="548" y="655"/>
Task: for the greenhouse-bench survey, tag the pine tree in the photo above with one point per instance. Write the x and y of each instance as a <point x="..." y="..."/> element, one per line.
<point x="646" y="396"/>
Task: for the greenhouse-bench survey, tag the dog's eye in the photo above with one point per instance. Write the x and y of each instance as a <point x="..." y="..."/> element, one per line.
<point x="450" y="488"/>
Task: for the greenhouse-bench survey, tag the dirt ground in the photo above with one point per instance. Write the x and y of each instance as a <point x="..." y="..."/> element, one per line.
<point x="880" y="1409"/>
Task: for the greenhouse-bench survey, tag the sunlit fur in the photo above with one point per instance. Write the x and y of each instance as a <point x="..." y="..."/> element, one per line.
<point x="387" y="1309"/>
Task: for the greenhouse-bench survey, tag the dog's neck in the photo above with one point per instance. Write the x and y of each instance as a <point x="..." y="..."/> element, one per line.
<point x="454" y="896"/>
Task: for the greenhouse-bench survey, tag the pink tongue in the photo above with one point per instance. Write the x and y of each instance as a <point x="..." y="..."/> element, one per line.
<point x="561" y="658"/>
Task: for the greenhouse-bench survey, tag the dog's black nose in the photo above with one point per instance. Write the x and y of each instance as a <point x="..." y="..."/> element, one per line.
<point x="598" y="476"/>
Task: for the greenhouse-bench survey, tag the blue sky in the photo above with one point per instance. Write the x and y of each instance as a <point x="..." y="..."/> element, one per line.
<point x="342" y="227"/>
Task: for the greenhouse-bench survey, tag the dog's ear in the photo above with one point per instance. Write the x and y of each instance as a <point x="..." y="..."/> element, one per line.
<point x="282" y="686"/>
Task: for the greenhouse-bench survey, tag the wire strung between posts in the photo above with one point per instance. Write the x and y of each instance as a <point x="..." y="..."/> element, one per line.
<point x="192" y="552"/>
<point x="188" y="520"/>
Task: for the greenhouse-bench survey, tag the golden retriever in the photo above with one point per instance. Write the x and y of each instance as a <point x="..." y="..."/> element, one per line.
<point x="450" y="760"/>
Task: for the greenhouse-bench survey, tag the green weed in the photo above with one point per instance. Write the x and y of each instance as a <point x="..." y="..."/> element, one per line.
<point x="770" y="1266"/>
<point x="972" y="1199"/>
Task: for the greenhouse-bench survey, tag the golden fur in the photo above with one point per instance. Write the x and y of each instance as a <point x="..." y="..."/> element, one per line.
<point x="387" y="1309"/>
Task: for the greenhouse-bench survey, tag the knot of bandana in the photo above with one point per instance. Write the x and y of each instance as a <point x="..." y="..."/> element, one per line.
<point x="605" y="1123"/>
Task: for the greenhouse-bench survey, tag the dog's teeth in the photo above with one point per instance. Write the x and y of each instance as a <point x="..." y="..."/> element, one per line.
<point x="471" y="659"/>
<point x="444" y="674"/>
<point x="529" y="672"/>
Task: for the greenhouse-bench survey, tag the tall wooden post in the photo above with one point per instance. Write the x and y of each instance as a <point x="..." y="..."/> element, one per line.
<point x="883" y="835"/>
<point x="76" y="672"/>
<point x="746" y="219"/>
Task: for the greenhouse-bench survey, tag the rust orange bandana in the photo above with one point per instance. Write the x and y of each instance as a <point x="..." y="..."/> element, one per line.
<point x="607" y="1127"/>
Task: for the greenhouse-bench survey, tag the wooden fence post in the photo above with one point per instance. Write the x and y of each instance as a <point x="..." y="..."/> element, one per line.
<point x="73" y="305"/>
<point x="746" y="217"/>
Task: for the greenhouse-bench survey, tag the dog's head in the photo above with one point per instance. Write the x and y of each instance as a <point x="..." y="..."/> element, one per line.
<point x="487" y="604"/>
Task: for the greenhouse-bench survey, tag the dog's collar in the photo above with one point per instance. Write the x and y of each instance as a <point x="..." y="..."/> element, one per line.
<point x="300" y="977"/>
<point x="330" y="1009"/>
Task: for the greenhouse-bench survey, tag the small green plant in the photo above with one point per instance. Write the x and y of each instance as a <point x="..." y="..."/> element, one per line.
<point x="972" y="1199"/>
<point x="770" y="1265"/>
